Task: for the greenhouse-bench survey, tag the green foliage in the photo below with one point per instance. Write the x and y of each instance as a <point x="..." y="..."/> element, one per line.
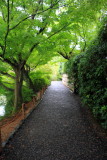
<point x="103" y="113"/>
<point x="40" y="79"/>
<point x="71" y="68"/>
<point x="33" y="32"/>
<point x="9" y="109"/>
<point x="40" y="83"/>
<point x="27" y="94"/>
<point x="23" y="34"/>
<point x="89" y="71"/>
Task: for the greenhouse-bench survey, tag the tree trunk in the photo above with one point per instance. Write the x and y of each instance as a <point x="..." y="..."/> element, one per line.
<point x="18" y="87"/>
<point x="29" y="80"/>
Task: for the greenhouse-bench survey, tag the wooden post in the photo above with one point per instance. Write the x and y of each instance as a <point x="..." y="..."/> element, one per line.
<point x="34" y="100"/>
<point x="0" y="140"/>
<point x="40" y="93"/>
<point x="23" y="110"/>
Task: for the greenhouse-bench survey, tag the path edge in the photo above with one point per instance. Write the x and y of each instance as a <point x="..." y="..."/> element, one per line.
<point x="20" y="124"/>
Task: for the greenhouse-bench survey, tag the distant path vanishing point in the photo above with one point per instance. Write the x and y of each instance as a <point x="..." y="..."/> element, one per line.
<point x="58" y="129"/>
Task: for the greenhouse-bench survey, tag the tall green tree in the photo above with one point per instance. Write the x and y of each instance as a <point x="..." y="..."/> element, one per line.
<point x="22" y="27"/>
<point x="81" y="20"/>
<point x="27" y="26"/>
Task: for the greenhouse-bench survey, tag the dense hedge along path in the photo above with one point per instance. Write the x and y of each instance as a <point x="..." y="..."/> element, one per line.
<point x="58" y="129"/>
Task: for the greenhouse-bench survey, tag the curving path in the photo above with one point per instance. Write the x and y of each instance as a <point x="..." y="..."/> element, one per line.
<point x="58" y="129"/>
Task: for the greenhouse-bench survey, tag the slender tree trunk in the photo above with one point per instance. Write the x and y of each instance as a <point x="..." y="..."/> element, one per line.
<point x="29" y="80"/>
<point x="18" y="87"/>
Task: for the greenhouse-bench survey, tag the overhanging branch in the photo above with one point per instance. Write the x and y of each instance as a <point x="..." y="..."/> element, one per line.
<point x="13" y="64"/>
<point x="7" y="74"/>
<point x="5" y="87"/>
<point x="24" y="19"/>
<point x="7" y="32"/>
<point x="62" y="54"/>
<point x="59" y="30"/>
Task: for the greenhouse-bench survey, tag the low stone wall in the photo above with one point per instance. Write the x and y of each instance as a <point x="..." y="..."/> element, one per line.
<point x="65" y="81"/>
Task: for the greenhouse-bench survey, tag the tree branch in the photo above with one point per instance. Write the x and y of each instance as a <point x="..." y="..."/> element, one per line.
<point x="7" y="32"/>
<point x="62" y="54"/>
<point x="36" y="65"/>
<point x="83" y="37"/>
<point x="32" y="48"/>
<point x="33" y="16"/>
<point x="36" y="44"/>
<point x="8" y="14"/>
<point x="5" y="87"/>
<point x="73" y="48"/>
<point x="3" y="15"/>
<point x="13" y="64"/>
<point x="58" y="30"/>
<point x="2" y="47"/>
<point x="4" y="73"/>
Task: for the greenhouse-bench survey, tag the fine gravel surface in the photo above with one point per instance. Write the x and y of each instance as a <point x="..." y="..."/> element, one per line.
<point x="58" y="129"/>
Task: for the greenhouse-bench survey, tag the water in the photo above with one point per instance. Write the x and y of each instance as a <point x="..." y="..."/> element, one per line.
<point x="2" y="110"/>
<point x="2" y="105"/>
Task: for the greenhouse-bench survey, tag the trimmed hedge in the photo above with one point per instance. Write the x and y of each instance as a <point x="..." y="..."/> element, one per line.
<point x="89" y="71"/>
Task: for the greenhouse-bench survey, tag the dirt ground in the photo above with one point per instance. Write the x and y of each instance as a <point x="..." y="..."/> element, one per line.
<point x="9" y="125"/>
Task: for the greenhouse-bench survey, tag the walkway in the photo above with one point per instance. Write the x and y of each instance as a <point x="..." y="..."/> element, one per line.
<point x="58" y="129"/>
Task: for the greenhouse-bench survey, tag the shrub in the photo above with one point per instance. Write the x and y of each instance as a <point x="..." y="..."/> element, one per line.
<point x="9" y="109"/>
<point x="27" y="94"/>
<point x="89" y="71"/>
<point x="40" y="79"/>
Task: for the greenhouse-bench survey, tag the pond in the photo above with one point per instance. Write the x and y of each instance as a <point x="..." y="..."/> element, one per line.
<point x="2" y="110"/>
<point x="2" y="105"/>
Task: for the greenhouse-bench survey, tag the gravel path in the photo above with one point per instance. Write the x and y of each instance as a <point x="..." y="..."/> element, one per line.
<point x="58" y="129"/>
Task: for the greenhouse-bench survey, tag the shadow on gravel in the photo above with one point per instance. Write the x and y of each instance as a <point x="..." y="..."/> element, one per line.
<point x="58" y="129"/>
